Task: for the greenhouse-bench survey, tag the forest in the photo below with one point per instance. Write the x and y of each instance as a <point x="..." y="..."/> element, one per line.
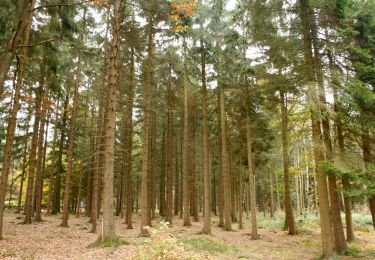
<point x="187" y="129"/>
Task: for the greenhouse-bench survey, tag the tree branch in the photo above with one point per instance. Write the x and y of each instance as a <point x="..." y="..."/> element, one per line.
<point x="34" y="44"/>
<point x="53" y="5"/>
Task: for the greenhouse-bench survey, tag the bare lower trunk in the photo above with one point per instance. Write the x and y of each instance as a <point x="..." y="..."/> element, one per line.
<point x="206" y="155"/>
<point x="146" y="129"/>
<point x="225" y="165"/>
<point x="169" y="153"/>
<point x="249" y="139"/>
<point x="108" y="232"/>
<point x="289" y="216"/>
<point x="59" y="167"/>
<point x="39" y="170"/>
<point x="185" y="152"/>
<point x="32" y="159"/>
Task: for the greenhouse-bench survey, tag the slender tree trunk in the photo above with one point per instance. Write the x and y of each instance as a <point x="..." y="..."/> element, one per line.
<point x="59" y="167"/>
<point x="338" y="230"/>
<point x="225" y="164"/>
<point x="162" y="197"/>
<point x="289" y="216"/>
<point x="177" y="179"/>
<point x="69" y="168"/>
<point x="12" y="119"/>
<point x="340" y="140"/>
<point x="146" y="129"/>
<point x="325" y="216"/>
<point x="169" y="153"/>
<point x="39" y="168"/>
<point x="206" y="154"/>
<point x="108" y="232"/>
<point x="50" y="171"/>
<point x="129" y="158"/>
<point x="194" y="178"/>
<point x="24" y="165"/>
<point x="271" y="194"/>
<point x="220" y="179"/>
<point x="249" y="139"/>
<point x="32" y="158"/>
<point x="185" y="152"/>
<point x="80" y="173"/>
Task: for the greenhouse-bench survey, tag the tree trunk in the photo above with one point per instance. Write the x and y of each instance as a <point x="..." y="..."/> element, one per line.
<point x="146" y="129"/>
<point x="338" y="230"/>
<point x="225" y="164"/>
<point x="57" y="186"/>
<point x="32" y="158"/>
<point x="185" y="151"/>
<point x="80" y="173"/>
<point x="162" y="196"/>
<point x="220" y="179"/>
<point x="50" y="171"/>
<point x="271" y="194"/>
<point x="193" y="172"/>
<point x="108" y="232"/>
<point x="129" y="148"/>
<point x="249" y="139"/>
<point x="12" y="119"/>
<point x="325" y="216"/>
<point x="289" y="216"/>
<point x="169" y="152"/>
<point x="206" y="154"/>
<point x="24" y="165"/>
<point x="39" y="169"/>
<point x="73" y="119"/>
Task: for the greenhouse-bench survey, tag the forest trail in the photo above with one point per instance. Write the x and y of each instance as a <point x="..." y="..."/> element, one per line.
<point x="47" y="240"/>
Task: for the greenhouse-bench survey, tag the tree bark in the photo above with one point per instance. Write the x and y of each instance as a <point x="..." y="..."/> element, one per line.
<point x="249" y="139"/>
<point x="206" y="154"/>
<point x="185" y="147"/>
<point x="32" y="158"/>
<point x="129" y="158"/>
<point x="289" y="216"/>
<point x="325" y="216"/>
<point x="60" y="168"/>
<point x="12" y="119"/>
<point x="146" y="129"/>
<point x="108" y="232"/>
<point x="169" y="152"/>
<point x="225" y="164"/>
<point x="69" y="168"/>
<point x="39" y="168"/>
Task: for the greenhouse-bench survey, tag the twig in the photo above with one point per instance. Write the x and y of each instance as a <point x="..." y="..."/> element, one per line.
<point x="34" y="44"/>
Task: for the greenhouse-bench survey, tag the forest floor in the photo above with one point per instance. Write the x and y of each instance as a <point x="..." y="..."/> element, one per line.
<point x="46" y="240"/>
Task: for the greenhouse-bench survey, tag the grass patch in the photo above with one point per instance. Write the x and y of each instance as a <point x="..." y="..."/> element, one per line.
<point x="209" y="246"/>
<point x="309" y="243"/>
<point x="355" y="251"/>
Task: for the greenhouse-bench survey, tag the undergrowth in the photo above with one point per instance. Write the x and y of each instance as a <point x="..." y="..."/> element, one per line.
<point x="163" y="245"/>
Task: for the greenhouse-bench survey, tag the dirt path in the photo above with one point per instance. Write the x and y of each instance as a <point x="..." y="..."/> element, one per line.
<point x="46" y="240"/>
